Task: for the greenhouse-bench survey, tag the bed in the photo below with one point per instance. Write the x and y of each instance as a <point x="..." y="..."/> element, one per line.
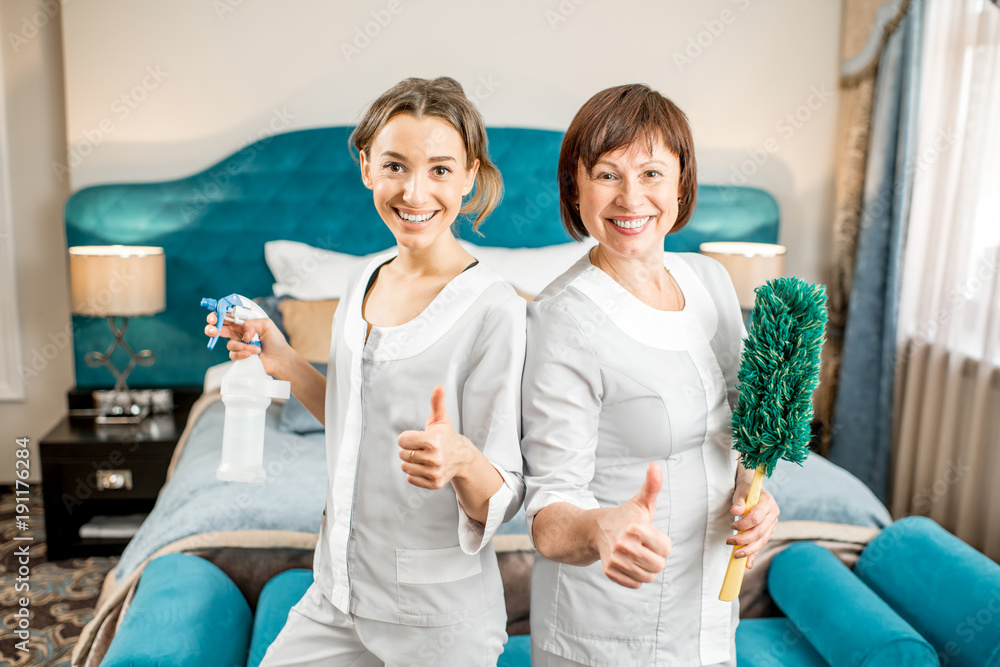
<point x="271" y="221"/>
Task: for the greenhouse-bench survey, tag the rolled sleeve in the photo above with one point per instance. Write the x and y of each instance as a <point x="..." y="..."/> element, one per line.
<point x="491" y="415"/>
<point x="561" y="406"/>
<point x="472" y="535"/>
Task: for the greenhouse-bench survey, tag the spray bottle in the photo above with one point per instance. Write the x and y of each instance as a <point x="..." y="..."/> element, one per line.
<point x="247" y="390"/>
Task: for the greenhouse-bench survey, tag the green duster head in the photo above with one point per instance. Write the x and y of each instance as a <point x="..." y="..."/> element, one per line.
<point x="778" y="373"/>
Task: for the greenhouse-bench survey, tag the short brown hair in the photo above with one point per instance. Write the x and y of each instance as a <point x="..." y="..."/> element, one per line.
<point x="615" y="118"/>
<point x="442" y="98"/>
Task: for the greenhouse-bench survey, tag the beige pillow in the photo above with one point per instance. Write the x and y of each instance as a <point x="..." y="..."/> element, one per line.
<point x="308" y="325"/>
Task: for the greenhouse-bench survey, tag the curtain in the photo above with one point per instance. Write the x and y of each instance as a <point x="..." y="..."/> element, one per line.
<point x="947" y="450"/>
<point x="862" y="419"/>
<point x="855" y="115"/>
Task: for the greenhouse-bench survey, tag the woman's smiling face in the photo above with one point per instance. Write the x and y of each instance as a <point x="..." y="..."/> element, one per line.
<point x="628" y="201"/>
<point x="418" y="177"/>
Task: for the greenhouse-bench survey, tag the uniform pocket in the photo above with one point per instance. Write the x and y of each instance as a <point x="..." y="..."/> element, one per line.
<point x="435" y="566"/>
<point x="439" y="586"/>
<point x="602" y="623"/>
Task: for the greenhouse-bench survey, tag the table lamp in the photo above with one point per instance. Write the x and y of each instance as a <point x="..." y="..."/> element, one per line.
<point x="750" y="265"/>
<point x="118" y="282"/>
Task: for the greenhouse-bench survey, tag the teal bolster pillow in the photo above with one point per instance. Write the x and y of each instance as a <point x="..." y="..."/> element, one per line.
<point x="946" y="589"/>
<point x="185" y="611"/>
<point x="277" y="597"/>
<point x="516" y="652"/>
<point x="843" y="619"/>
<point x="774" y="642"/>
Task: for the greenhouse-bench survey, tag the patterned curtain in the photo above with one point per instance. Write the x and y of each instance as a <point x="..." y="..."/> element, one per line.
<point x="856" y="96"/>
<point x="862" y="427"/>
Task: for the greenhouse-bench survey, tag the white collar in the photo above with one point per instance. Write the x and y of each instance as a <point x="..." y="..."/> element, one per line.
<point x="414" y="337"/>
<point x="693" y="326"/>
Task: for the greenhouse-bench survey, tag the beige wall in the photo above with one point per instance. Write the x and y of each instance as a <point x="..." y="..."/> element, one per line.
<point x="36" y="132"/>
<point x="177" y="85"/>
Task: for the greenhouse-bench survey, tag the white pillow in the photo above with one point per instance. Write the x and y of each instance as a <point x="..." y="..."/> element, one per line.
<point x="304" y="272"/>
<point x="311" y="274"/>
<point x="530" y="270"/>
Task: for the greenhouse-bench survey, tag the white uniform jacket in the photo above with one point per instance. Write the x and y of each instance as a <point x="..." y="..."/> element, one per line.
<point x="388" y="550"/>
<point x="611" y="384"/>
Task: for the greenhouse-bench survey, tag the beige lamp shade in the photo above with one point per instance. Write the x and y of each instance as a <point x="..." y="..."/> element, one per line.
<point x="117" y="280"/>
<point x="749" y="264"/>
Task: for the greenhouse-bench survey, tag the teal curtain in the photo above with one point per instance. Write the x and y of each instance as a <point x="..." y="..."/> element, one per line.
<point x="862" y="419"/>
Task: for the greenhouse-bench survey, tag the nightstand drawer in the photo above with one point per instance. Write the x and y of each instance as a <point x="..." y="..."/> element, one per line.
<point x="133" y="478"/>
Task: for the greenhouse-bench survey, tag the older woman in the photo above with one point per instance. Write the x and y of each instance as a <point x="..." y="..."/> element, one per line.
<point x="628" y="387"/>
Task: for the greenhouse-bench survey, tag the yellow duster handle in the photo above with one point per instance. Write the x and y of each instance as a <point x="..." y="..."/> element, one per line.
<point x="737" y="566"/>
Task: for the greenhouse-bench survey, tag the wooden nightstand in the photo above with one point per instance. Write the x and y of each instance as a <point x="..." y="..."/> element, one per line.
<point x="90" y="469"/>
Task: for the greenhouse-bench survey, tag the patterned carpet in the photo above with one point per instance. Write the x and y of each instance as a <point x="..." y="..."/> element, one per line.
<point x="62" y="594"/>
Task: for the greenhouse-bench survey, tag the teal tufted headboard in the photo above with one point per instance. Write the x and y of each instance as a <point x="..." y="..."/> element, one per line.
<point x="305" y="186"/>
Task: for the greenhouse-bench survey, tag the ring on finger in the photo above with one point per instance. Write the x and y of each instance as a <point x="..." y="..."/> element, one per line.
<point x="412" y="452"/>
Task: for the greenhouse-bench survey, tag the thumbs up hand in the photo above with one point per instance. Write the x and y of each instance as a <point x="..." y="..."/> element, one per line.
<point x="632" y="551"/>
<point x="433" y="457"/>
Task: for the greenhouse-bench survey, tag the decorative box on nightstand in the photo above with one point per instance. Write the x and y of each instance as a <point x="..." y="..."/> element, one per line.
<point x="107" y="471"/>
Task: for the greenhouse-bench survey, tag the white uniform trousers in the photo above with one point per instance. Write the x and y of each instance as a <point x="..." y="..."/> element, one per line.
<point x="317" y="634"/>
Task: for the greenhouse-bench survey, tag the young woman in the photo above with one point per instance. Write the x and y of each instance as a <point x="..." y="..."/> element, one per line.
<point x="421" y="408"/>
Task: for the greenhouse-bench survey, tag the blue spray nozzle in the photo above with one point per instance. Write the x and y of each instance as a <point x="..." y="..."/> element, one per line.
<point x="220" y="307"/>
